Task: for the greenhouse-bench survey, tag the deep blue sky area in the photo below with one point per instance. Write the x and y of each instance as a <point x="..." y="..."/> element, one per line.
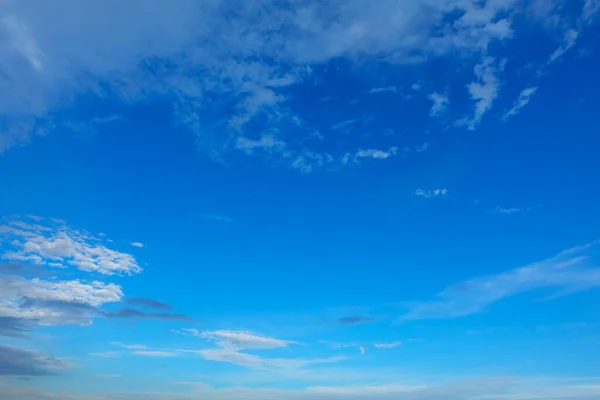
<point x="299" y="200"/>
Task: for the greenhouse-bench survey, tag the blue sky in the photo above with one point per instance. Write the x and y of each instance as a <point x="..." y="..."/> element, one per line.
<point x="299" y="200"/>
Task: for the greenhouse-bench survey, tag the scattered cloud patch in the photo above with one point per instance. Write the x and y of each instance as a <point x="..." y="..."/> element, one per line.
<point x="55" y="242"/>
<point x="240" y="69"/>
<point x="376" y="154"/>
<point x="137" y="244"/>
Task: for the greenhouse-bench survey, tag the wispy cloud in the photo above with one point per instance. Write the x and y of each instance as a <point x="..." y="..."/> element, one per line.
<point x="484" y="90"/>
<point x="129" y="346"/>
<point x="37" y="295"/>
<point x="385" y="89"/>
<point x="239" y="340"/>
<point x="390" y="345"/>
<point x="375" y="154"/>
<point x="355" y="320"/>
<point x="147" y="303"/>
<point x="431" y="193"/>
<point x="422" y="147"/>
<point x="343" y="124"/>
<point x="131" y="313"/>
<point x="513" y="210"/>
<point x="521" y="102"/>
<point x="570" y="38"/>
<point x="493" y="388"/>
<point x="568" y="272"/>
<point x="154" y="353"/>
<point x="217" y="217"/>
<point x="254" y="361"/>
<point x="440" y="104"/>
<point x="137" y="244"/>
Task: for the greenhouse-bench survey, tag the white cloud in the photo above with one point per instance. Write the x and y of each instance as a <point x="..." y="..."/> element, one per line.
<point x="55" y="302"/>
<point x="254" y="361"/>
<point x="484" y="90"/>
<point x="60" y="244"/>
<point x="375" y="154"/>
<point x="567" y="272"/>
<point x="512" y="210"/>
<point x="390" y="345"/>
<point x="219" y="70"/>
<point x="521" y="102"/>
<point x="137" y="244"/>
<point x="440" y="103"/>
<point x="229" y="343"/>
<point x="569" y="41"/>
<point x="237" y="340"/>
<point x="431" y="193"/>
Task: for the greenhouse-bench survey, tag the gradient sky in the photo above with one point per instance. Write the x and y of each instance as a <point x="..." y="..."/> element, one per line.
<point x="299" y="200"/>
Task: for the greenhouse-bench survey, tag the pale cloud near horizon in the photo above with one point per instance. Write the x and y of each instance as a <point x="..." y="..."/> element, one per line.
<point x="571" y="271"/>
<point x="490" y="388"/>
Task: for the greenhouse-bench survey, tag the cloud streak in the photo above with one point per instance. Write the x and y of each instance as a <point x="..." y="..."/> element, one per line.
<point x="355" y="320"/>
<point x="570" y="271"/>
<point x="521" y="102"/>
